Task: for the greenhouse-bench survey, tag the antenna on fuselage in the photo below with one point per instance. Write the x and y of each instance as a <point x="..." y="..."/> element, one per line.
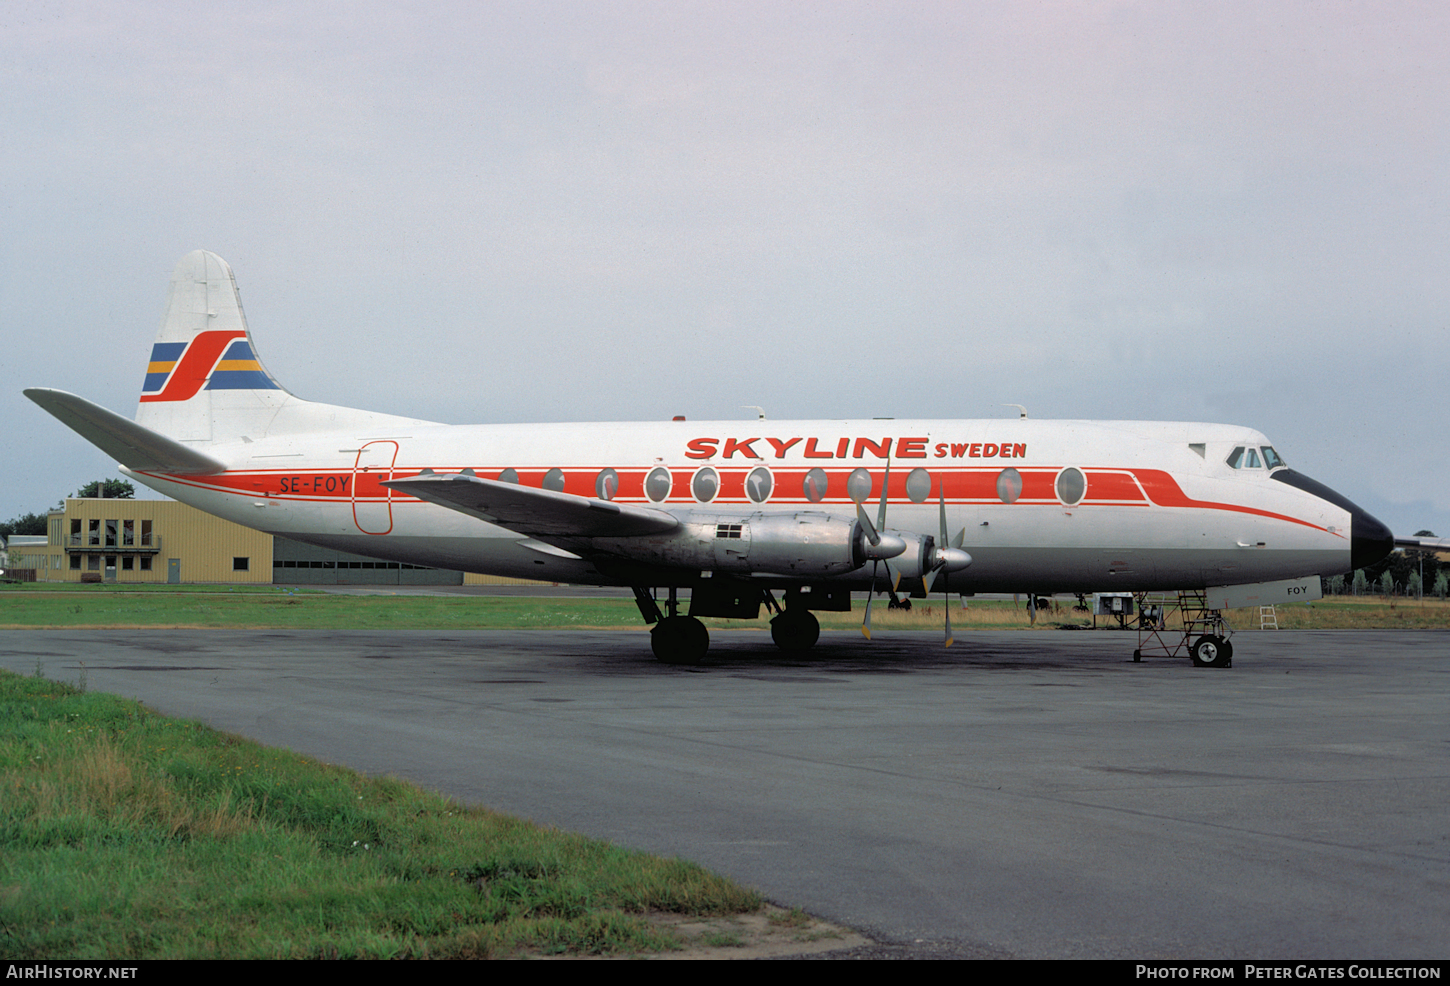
<point x="1021" y="411"/>
<point x="759" y="411"/>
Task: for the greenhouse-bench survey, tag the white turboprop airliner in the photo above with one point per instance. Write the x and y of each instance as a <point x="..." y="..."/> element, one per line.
<point x="734" y="511"/>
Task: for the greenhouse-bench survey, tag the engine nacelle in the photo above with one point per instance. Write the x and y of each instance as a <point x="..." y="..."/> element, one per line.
<point x="803" y="544"/>
<point x="923" y="554"/>
<point x="913" y="562"/>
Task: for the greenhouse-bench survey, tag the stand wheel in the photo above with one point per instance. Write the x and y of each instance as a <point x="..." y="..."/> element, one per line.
<point x="1212" y="652"/>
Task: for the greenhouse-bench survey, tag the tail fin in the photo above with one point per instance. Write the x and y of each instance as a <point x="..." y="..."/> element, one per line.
<point x="204" y="382"/>
<point x="203" y="365"/>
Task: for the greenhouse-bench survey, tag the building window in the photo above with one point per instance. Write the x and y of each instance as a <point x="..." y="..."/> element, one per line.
<point x="128" y="533"/>
<point x="146" y="534"/>
<point x="127" y="563"/>
<point x="145" y="563"/>
<point x="93" y="562"/>
<point x="75" y="563"/>
<point x="240" y="564"/>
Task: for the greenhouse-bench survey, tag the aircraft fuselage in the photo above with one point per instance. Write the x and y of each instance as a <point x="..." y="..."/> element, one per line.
<point x="1149" y="512"/>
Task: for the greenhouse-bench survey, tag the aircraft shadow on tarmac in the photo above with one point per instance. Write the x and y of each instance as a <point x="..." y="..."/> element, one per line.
<point x="844" y="652"/>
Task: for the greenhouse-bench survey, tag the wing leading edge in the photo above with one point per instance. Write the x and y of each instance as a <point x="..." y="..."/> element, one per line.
<point x="536" y="512"/>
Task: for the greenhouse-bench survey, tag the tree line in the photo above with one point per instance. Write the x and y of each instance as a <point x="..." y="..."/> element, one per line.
<point x="35" y="524"/>
<point x="1399" y="573"/>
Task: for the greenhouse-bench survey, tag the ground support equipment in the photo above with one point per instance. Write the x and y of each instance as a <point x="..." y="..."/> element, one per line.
<point x="1204" y="634"/>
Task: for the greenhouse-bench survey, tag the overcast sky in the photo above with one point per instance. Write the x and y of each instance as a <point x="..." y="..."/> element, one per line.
<point x="475" y="212"/>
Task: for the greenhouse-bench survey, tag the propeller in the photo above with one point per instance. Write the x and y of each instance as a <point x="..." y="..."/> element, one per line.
<point x="945" y="560"/>
<point x="871" y="537"/>
<point x="938" y="558"/>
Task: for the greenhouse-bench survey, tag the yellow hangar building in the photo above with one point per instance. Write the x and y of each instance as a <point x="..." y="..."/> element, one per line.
<point x="123" y="540"/>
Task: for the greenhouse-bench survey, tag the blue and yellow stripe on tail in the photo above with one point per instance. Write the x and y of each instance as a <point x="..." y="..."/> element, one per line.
<point x="238" y="369"/>
<point x="163" y="360"/>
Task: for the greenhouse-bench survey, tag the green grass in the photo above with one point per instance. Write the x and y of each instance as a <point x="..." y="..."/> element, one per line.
<point x="273" y="607"/>
<point x="288" y="608"/>
<point x="125" y="834"/>
<point x="106" y="587"/>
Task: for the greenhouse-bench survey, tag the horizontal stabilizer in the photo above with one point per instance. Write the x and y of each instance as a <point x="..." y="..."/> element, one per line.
<point x="133" y="446"/>
<point x="526" y="510"/>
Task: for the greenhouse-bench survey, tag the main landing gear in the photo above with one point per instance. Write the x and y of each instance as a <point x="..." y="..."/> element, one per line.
<point x="795" y="630"/>
<point x="682" y="639"/>
<point x="679" y="640"/>
<point x="675" y="639"/>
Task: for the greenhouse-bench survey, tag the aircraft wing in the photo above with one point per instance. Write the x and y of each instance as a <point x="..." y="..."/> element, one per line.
<point x="1424" y="544"/>
<point x="134" y="446"/>
<point x="526" y="510"/>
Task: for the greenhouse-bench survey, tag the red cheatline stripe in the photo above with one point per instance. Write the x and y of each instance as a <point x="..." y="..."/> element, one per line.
<point x="1164" y="491"/>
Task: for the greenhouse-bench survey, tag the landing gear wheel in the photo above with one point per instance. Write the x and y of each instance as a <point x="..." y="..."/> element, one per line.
<point x="679" y="640"/>
<point x="795" y="630"/>
<point x="1212" y="652"/>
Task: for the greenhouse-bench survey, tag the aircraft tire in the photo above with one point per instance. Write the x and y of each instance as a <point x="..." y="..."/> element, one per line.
<point x="1211" y="652"/>
<point x="679" y="640"/>
<point x="795" y="630"/>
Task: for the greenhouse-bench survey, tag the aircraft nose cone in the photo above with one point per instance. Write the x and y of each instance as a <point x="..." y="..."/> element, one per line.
<point x="1369" y="540"/>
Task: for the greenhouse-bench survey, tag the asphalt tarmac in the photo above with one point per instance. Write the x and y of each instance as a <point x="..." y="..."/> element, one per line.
<point x="1031" y="794"/>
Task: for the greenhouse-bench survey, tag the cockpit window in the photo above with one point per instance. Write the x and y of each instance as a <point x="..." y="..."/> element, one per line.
<point x="1247" y="457"/>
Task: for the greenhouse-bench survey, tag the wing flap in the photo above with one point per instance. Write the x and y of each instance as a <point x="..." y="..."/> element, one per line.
<point x="526" y="510"/>
<point x="133" y="446"/>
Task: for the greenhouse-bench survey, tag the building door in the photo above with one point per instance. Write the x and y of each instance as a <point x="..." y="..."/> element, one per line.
<point x="173" y="571"/>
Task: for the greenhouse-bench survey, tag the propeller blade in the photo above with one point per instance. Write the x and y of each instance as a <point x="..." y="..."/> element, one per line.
<point x="885" y="484"/>
<point x="936" y="556"/>
<point x="941" y="489"/>
<point x="871" y="535"/>
<point x="866" y="623"/>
